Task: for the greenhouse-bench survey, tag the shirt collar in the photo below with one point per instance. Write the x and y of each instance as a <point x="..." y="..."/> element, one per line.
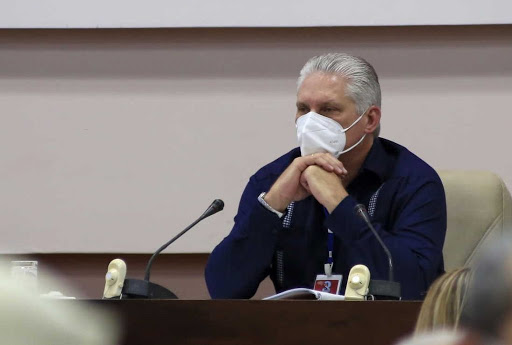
<point x="378" y="161"/>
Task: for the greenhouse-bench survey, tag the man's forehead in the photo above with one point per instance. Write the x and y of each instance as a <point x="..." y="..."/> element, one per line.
<point x="328" y="86"/>
<point x="333" y="79"/>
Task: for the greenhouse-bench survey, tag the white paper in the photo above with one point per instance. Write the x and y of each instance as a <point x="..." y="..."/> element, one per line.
<point x="305" y="294"/>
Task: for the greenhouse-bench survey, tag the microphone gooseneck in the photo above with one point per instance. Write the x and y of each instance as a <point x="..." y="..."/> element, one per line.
<point x="360" y="210"/>
<point x="216" y="206"/>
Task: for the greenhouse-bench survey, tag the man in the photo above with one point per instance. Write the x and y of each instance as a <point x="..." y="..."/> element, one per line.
<point x="296" y="218"/>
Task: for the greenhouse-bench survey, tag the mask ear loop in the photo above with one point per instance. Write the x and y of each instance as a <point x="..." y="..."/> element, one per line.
<point x="360" y="140"/>
<point x="356" y="121"/>
<point x="351" y="147"/>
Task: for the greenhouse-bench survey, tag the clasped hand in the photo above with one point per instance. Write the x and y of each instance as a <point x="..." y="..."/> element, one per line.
<point x="320" y="175"/>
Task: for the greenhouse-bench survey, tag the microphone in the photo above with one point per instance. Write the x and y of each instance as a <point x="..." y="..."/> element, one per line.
<point x="216" y="206"/>
<point x="136" y="288"/>
<point x="383" y="288"/>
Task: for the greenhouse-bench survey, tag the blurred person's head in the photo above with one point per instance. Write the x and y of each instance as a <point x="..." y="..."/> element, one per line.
<point x="441" y="337"/>
<point x="444" y="301"/>
<point x="488" y="309"/>
<point x="27" y="318"/>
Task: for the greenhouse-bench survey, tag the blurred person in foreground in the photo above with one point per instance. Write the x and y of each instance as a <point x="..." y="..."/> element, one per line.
<point x="487" y="313"/>
<point x="440" y="337"/>
<point x="26" y="318"/>
<point x="444" y="301"/>
<point x="296" y="219"/>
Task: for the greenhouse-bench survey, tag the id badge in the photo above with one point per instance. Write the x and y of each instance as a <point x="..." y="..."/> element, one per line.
<point x="330" y="284"/>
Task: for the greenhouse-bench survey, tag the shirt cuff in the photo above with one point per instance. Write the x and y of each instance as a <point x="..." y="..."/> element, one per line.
<point x="268" y="207"/>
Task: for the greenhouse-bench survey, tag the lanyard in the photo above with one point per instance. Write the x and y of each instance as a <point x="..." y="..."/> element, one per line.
<point x="330" y="248"/>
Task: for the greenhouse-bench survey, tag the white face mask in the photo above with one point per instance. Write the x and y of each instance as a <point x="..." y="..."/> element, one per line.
<point x="317" y="133"/>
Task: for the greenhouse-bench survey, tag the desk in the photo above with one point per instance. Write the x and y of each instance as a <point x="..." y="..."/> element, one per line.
<point x="282" y="322"/>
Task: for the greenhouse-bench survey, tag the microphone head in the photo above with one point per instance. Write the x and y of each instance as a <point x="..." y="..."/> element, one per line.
<point x="216" y="206"/>
<point x="360" y="209"/>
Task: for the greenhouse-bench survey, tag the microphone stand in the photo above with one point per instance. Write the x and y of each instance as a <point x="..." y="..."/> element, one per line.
<point x="144" y="289"/>
<point x="381" y="289"/>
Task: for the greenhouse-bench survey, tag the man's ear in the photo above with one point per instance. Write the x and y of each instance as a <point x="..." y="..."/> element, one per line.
<point x="373" y="119"/>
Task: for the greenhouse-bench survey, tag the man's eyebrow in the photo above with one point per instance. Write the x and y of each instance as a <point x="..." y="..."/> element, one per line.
<point x="300" y="104"/>
<point x="332" y="103"/>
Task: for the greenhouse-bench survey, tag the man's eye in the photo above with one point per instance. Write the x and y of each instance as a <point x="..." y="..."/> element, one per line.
<point x="302" y="110"/>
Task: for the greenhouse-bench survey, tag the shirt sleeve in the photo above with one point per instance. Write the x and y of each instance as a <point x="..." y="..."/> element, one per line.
<point x="242" y="260"/>
<point x="415" y="235"/>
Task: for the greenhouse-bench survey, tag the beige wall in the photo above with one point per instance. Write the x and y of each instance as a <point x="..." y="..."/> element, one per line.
<point x="113" y="141"/>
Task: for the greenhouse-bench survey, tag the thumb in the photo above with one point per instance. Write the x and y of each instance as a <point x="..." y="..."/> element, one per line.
<point x="304" y="183"/>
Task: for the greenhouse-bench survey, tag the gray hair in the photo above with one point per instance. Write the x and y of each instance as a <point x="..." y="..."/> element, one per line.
<point x="489" y="295"/>
<point x="362" y="80"/>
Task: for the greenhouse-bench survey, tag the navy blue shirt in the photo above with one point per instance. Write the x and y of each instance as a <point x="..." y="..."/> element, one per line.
<point x="406" y="202"/>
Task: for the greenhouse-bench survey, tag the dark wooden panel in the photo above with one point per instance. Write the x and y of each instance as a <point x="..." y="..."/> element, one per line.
<point x="263" y="322"/>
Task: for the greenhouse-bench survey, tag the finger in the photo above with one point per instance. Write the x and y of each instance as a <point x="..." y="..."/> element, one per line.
<point x="325" y="160"/>
<point x="319" y="159"/>
<point x="315" y="157"/>
<point x="330" y="163"/>
<point x="335" y="162"/>
<point x="324" y="163"/>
